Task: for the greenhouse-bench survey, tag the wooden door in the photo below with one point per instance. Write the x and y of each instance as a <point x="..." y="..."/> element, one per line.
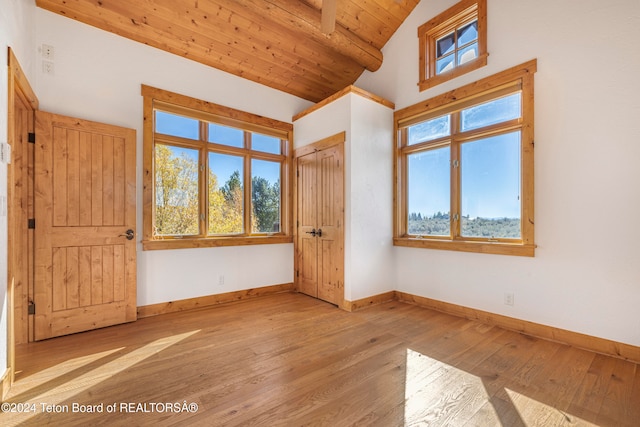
<point x="306" y="241"/>
<point x="320" y="224"/>
<point x="85" y="205"/>
<point x="330" y="235"/>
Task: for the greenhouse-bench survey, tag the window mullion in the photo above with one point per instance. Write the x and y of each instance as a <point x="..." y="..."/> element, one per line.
<point x="405" y="183"/>
<point x="247" y="205"/>
<point x="203" y="185"/>
<point x="204" y="131"/>
<point x="455" y="176"/>
<point x="203" y="182"/>
<point x="207" y="190"/>
<point x="455" y="47"/>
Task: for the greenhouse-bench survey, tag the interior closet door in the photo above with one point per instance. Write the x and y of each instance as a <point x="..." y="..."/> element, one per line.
<point x="320" y="224"/>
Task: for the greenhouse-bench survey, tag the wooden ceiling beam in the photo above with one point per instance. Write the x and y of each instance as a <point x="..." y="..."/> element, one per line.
<point x="328" y="24"/>
<point x="306" y="19"/>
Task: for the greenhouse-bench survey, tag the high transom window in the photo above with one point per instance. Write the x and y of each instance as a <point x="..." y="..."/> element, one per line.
<point x="453" y="43"/>
<point x="457" y="48"/>
<point x="215" y="175"/>
<point x="465" y="168"/>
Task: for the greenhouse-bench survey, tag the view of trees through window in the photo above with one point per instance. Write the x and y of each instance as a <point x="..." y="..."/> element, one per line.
<point x="438" y="225"/>
<point x="178" y="187"/>
<point x="176" y="191"/>
<point x="177" y="197"/>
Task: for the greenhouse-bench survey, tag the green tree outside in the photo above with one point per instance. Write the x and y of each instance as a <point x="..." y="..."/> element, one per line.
<point x="265" y="200"/>
<point x="176" y="193"/>
<point x="177" y="207"/>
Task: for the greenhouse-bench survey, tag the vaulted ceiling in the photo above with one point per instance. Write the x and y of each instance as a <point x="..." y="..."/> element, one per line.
<point x="278" y="43"/>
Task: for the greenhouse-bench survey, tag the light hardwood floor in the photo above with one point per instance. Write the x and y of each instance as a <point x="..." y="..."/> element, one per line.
<point x="291" y="360"/>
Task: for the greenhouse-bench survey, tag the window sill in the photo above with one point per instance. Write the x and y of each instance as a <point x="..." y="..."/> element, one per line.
<point x="478" y="247"/>
<point x="186" y="243"/>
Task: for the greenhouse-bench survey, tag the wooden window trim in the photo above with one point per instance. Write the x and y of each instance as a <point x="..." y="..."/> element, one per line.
<point x="517" y="78"/>
<point x="206" y="111"/>
<point x="447" y="21"/>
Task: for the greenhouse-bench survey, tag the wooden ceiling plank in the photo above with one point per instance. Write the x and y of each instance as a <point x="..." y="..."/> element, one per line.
<point x="229" y="28"/>
<point x="196" y="24"/>
<point x="277" y="43"/>
<point x="376" y="20"/>
<point x="224" y="57"/>
<point x="398" y="10"/>
<point x="278" y="40"/>
<point x="360" y="18"/>
<point x="306" y="19"/>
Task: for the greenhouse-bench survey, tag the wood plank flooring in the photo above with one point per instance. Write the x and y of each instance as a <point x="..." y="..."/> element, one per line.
<point x="291" y="360"/>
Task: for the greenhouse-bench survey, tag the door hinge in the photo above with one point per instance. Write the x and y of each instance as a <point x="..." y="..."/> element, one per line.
<point x="31" y="223"/>
<point x="31" y="138"/>
<point x="297" y="273"/>
<point x="298" y="173"/>
<point x="31" y="308"/>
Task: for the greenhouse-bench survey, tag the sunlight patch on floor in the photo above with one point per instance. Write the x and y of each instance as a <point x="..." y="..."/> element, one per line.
<point x="62" y="391"/>
<point x="25" y="382"/>
<point x="535" y="413"/>
<point x="439" y="393"/>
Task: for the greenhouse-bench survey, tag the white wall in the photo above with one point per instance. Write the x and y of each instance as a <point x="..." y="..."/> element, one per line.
<point x="585" y="276"/>
<point x="97" y="76"/>
<point x="16" y="31"/>
<point x="369" y="259"/>
<point x="322" y="123"/>
<point x="371" y="253"/>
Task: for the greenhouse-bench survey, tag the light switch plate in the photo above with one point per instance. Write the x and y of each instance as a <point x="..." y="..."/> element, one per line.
<point x="5" y="153"/>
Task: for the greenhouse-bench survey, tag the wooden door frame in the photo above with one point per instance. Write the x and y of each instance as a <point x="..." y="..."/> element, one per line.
<point x="331" y="141"/>
<point x="18" y="85"/>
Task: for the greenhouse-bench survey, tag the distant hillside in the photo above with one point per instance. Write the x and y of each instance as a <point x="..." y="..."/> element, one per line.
<point x="438" y="225"/>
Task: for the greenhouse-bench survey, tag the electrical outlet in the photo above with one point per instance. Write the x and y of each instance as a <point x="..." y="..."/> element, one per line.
<point x="508" y="298"/>
<point x="221" y="280"/>
<point x="47" y="52"/>
<point x="47" y="67"/>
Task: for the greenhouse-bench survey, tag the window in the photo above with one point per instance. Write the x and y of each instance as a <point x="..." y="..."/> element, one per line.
<point x="453" y="43"/>
<point x="213" y="175"/>
<point x="464" y="168"/>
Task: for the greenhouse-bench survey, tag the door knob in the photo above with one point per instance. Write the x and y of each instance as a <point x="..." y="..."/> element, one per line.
<point x="312" y="232"/>
<point x="129" y="234"/>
